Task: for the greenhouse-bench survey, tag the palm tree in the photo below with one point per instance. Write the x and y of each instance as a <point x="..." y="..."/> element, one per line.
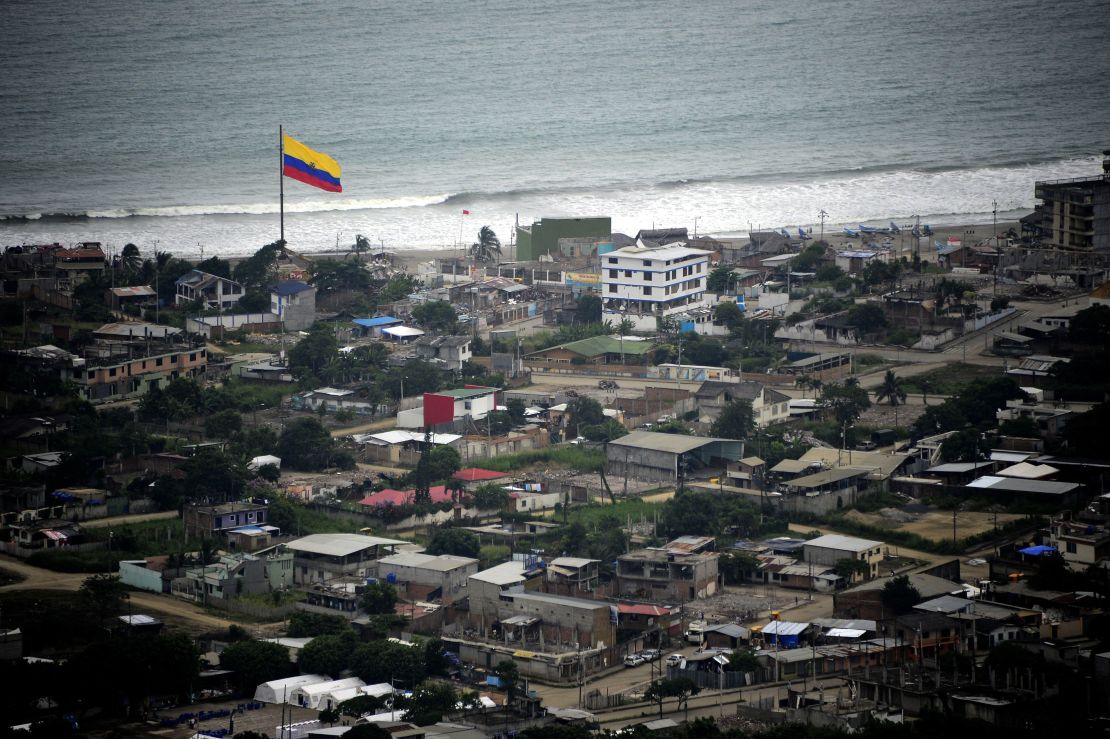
<point x="362" y="244"/>
<point x="487" y="246"/>
<point x="892" y="391"/>
<point x="925" y="386"/>
<point x="130" y="259"/>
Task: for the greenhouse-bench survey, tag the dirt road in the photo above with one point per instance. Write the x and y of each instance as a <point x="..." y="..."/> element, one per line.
<point x="37" y="578"/>
<point x="99" y="523"/>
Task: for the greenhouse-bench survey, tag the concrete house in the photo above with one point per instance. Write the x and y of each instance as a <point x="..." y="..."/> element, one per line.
<point x="829" y="549"/>
<point x="294" y="303"/>
<point x="318" y="558"/>
<point x="453" y="351"/>
<point x="216" y="292"/>
<point x="428" y="578"/>
<point x="685" y="569"/>
<point x="214" y="521"/>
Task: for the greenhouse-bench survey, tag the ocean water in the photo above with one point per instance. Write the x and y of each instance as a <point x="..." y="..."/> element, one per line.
<point x="157" y="123"/>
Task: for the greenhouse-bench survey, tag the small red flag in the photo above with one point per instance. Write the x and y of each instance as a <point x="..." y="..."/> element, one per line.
<point x="466" y="212"/>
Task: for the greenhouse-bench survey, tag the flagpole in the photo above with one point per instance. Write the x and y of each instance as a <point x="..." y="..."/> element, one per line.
<point x="281" y="180"/>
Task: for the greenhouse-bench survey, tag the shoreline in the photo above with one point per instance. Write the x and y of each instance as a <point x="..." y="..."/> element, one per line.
<point x="411" y="258"/>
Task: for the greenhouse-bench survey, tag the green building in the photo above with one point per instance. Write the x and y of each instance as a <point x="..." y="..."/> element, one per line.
<point x="542" y="237"/>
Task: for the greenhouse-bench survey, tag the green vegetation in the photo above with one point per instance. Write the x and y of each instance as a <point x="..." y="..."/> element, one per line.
<point x="949" y="379"/>
<point x="573" y="457"/>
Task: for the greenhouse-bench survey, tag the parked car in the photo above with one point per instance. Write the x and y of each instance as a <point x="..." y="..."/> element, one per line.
<point x="633" y="660"/>
<point x="674" y="660"/>
<point x="650" y="655"/>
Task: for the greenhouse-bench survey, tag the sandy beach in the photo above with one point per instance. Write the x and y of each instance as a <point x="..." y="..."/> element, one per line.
<point x="411" y="258"/>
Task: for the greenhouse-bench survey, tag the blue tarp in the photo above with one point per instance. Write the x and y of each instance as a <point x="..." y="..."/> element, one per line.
<point x="378" y="321"/>
<point x="1037" y="551"/>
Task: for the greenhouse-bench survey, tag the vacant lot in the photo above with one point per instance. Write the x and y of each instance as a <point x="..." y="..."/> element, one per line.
<point x="935" y="525"/>
<point x="949" y="379"/>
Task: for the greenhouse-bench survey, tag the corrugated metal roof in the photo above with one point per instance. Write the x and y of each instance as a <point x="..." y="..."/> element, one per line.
<point x="673" y="443"/>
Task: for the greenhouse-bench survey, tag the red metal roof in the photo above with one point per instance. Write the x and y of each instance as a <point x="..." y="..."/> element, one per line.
<point x="389" y="496"/>
<point x="642" y="609"/>
<point x="473" y="474"/>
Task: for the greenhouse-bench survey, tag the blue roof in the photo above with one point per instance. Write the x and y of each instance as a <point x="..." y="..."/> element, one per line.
<point x="376" y="321"/>
<point x="290" y="287"/>
<point x="1038" y="550"/>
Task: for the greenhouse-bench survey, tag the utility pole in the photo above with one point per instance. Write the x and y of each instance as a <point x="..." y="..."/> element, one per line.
<point x="822" y="215"/>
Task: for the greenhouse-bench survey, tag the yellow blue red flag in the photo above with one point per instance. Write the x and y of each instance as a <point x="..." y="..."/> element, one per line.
<point x="308" y="166"/>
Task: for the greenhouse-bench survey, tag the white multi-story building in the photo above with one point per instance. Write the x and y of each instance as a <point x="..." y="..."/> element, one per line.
<point x="645" y="283"/>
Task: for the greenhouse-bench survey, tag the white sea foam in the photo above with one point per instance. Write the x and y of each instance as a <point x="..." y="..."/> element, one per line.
<point x="722" y="207"/>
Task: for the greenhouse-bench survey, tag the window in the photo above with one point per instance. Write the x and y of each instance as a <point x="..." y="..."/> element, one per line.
<point x="612" y="260"/>
<point x="193" y="357"/>
<point x="612" y="288"/>
<point x="647" y="290"/>
<point x="628" y="273"/>
<point x="158" y="362"/>
<point x="112" y="372"/>
<point x="1071" y="547"/>
<point x="647" y="262"/>
<point x="613" y="274"/>
<point x="647" y="276"/>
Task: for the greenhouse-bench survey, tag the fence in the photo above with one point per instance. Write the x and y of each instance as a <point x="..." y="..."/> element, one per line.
<point x="715" y="680"/>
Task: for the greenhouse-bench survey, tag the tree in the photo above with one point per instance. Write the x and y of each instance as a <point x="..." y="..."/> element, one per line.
<point x="378" y="597"/>
<point x="587" y="309"/>
<point x="443" y="461"/>
<point x="260" y="269"/>
<point x="736" y="421"/>
<point x="498" y="423"/>
<point x="459" y="542"/>
<point x="487" y="248"/>
<point x="516" y="408"/>
<point x="679" y="688"/>
<point x="362" y="705"/>
<point x="868" y="318"/>
<point x="849" y="567"/>
<point x="306" y="445"/>
<point x="313" y="353"/>
<point x="103" y="596"/>
<point x="899" y="595"/>
<point x="361" y="245"/>
<point x="509" y="674"/>
<point x="331" y="276"/>
<point x="429" y="702"/>
<point x="729" y="314"/>
<point x="966" y="445"/>
<point x="397" y="288"/>
<point x="847" y="401"/>
<point x="330" y="715"/>
<point x="223" y="424"/>
<point x="583" y="411"/>
<point x="255" y="662"/>
<point x="610" y="429"/>
<point x="436" y="315"/>
<point x="674" y="426"/>
<point x="490" y="497"/>
<point x="720" y="279"/>
<point x="130" y="259"/>
<point x="891" y="390"/>
<point x="303" y="623"/>
<point x="327" y="655"/>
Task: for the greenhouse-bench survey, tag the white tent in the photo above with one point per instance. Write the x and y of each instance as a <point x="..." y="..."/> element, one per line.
<point x="264" y="460"/>
<point x="276" y="691"/>
<point x="335" y="697"/>
<point x="311" y="696"/>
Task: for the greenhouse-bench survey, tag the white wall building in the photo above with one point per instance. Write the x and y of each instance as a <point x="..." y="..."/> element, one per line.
<point x="644" y="283"/>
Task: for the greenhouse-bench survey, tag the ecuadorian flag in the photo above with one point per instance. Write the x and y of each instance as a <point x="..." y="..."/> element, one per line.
<point x="308" y="166"/>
